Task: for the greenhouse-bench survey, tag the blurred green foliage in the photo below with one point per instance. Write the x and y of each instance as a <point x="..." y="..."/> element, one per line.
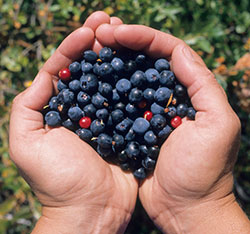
<point x="31" y="31"/>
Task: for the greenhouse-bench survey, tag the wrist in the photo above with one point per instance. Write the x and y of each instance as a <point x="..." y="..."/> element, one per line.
<point x="212" y="216"/>
<point x="82" y="220"/>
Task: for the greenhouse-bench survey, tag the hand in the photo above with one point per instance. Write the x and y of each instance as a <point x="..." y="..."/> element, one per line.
<point x="79" y="192"/>
<point x="192" y="182"/>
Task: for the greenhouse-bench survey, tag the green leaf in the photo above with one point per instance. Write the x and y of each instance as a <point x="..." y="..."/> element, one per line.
<point x="7" y="205"/>
<point x="204" y="45"/>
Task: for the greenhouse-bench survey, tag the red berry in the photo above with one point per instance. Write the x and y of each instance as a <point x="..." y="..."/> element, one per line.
<point x="85" y="122"/>
<point x="148" y="115"/>
<point x="64" y="74"/>
<point x="176" y="121"/>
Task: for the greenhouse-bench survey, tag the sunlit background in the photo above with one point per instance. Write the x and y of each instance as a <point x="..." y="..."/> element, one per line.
<point x="30" y="31"/>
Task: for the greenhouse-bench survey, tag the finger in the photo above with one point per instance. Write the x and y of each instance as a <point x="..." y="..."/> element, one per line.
<point x="105" y="36"/>
<point x="151" y="41"/>
<point x="25" y="116"/>
<point x="97" y="46"/>
<point x="95" y="19"/>
<point x="115" y="20"/>
<point x="70" y="49"/>
<point x="205" y="92"/>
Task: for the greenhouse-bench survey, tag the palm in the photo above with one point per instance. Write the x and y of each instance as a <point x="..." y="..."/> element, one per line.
<point x="70" y="169"/>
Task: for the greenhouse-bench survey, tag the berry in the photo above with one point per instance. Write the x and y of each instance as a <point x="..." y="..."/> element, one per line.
<point x="133" y="149"/>
<point x="61" y="85"/>
<point x="140" y="126"/>
<point x="176" y="121"/>
<point x="135" y="95"/>
<point x="182" y="110"/>
<point x="85" y="122"/>
<point x="148" y="115"/>
<point x="123" y="86"/>
<point x="75" y="113"/>
<point x="191" y="113"/>
<point x="162" y="95"/>
<point x="106" y="54"/>
<point x="138" y="79"/>
<point x="97" y="127"/>
<point x="90" y="56"/>
<point x="162" y="64"/>
<point x="140" y="173"/>
<point x="152" y="76"/>
<point x="148" y="163"/>
<point x="117" y="64"/>
<point x="84" y="134"/>
<point x="123" y="103"/>
<point x="102" y="114"/>
<point x="104" y="140"/>
<point x="53" y="119"/>
<point x="64" y="74"/>
<point x="158" y="122"/>
<point x="150" y="138"/>
<point x="149" y="94"/>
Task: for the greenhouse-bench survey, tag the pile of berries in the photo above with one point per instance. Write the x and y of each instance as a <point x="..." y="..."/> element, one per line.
<point x="123" y="103"/>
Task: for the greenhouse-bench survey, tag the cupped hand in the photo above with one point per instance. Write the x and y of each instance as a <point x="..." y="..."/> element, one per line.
<point x="77" y="189"/>
<point x="195" y="164"/>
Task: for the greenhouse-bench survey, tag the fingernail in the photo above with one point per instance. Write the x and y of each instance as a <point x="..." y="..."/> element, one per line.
<point x="188" y="53"/>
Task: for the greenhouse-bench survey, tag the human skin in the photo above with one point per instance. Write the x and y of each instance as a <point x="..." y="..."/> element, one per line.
<point x="79" y="192"/>
<point x="190" y="190"/>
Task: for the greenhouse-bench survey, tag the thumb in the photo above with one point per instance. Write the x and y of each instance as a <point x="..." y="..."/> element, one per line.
<point x="203" y="89"/>
<point x="26" y="107"/>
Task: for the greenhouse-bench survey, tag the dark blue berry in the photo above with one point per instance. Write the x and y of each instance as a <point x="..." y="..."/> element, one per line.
<point x="124" y="126"/>
<point x="167" y="79"/>
<point x="105" y="89"/>
<point x="130" y="136"/>
<point x="104" y="140"/>
<point x="84" y="134"/>
<point x="180" y="91"/>
<point x="140" y="126"/>
<point x="69" y="124"/>
<point x="89" y="83"/>
<point x="150" y="138"/>
<point x="171" y="113"/>
<point x="115" y="96"/>
<point x="118" y="141"/>
<point x="140" y="173"/>
<point x="90" y="56"/>
<point x="74" y="86"/>
<point x="117" y="116"/>
<point x="61" y="85"/>
<point x="191" y="113"/>
<point x="133" y="149"/>
<point x="53" y="103"/>
<point x="106" y="54"/>
<point x="52" y="118"/>
<point x="148" y="163"/>
<point x="122" y="156"/>
<point x="97" y="127"/>
<point x="89" y="110"/>
<point x="135" y="95"/>
<point x="182" y="110"/>
<point x="75" y="113"/>
<point x="165" y="132"/>
<point x="158" y="122"/>
<point x="162" y="64"/>
<point x="99" y="101"/>
<point x="123" y="86"/>
<point x="74" y="67"/>
<point x="149" y="94"/>
<point x="117" y="64"/>
<point x="157" y="109"/>
<point x="153" y="152"/>
<point x="103" y="152"/>
<point x="83" y="98"/>
<point x="102" y="114"/>
<point x="66" y="97"/>
<point x="86" y="67"/>
<point x="162" y="95"/>
<point x="138" y="79"/>
<point x="152" y="76"/>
